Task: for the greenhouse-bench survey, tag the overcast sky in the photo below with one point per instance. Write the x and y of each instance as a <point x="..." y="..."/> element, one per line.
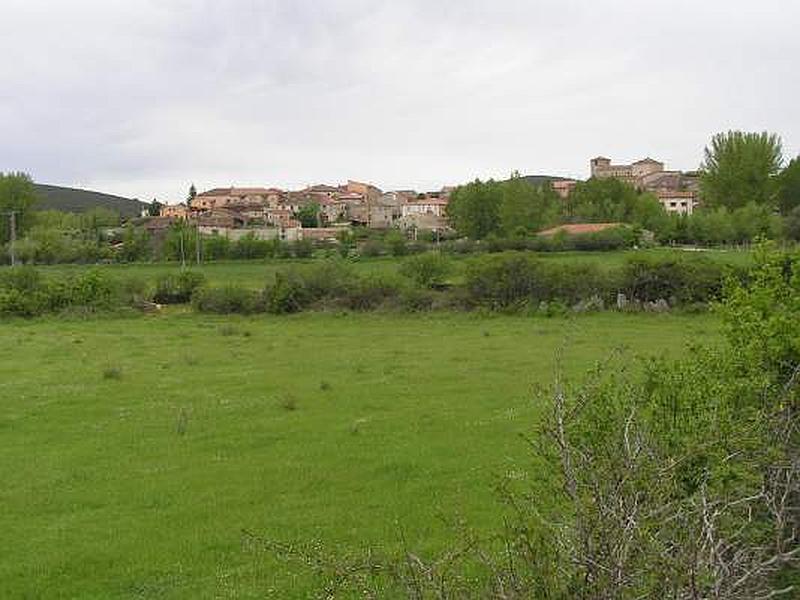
<point x="140" y="98"/>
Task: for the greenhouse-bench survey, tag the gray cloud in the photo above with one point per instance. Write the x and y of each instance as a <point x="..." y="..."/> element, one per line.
<point x="140" y="98"/>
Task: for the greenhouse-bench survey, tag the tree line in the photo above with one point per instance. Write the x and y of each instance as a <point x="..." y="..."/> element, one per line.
<point x="746" y="190"/>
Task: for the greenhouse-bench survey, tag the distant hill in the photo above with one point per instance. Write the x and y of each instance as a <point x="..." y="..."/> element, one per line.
<point x="541" y="179"/>
<point x="54" y="197"/>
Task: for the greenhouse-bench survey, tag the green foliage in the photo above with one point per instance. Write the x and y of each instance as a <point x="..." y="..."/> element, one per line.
<point x="525" y="208"/>
<point x="309" y="215"/>
<point x="426" y="270"/>
<point x="510" y="208"/>
<point x="397" y="243"/>
<point x="216" y="247"/>
<point x="474" y="209"/>
<point x="608" y="200"/>
<point x="303" y="249"/>
<point x="229" y="299"/>
<point x="788" y="195"/>
<point x="154" y="208"/>
<point x="740" y="168"/>
<point x="371" y="248"/>
<point x="677" y="281"/>
<point x="17" y="194"/>
<point x="178" y="288"/>
<point x="135" y="245"/>
<point x="516" y="280"/>
<point x="792" y="225"/>
<point x="24" y="292"/>
<point x="762" y="314"/>
<point x="249" y="246"/>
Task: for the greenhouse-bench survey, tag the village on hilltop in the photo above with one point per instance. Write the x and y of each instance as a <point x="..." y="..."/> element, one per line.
<point x="271" y="213"/>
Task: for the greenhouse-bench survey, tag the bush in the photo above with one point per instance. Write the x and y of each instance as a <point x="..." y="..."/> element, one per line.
<point x="396" y="241"/>
<point x="371" y="248"/>
<point x="369" y="293"/>
<point x="24" y="292"/>
<point x="250" y="246"/>
<point x="680" y="281"/>
<point x="287" y="293"/>
<point x="178" y="289"/>
<point x="230" y="299"/>
<point x="515" y="280"/>
<point x="426" y="270"/>
<point x="303" y="249"/>
<point x="417" y="300"/>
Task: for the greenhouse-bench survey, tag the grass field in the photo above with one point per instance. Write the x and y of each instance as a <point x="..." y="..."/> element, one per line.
<point x="254" y="273"/>
<point x="136" y="450"/>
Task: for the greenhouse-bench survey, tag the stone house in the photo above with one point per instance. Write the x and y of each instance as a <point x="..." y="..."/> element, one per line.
<point x="178" y="211"/>
<point x="677" y="201"/>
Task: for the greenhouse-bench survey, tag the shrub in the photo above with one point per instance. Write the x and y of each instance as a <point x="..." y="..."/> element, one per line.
<point x="24" y="292"/>
<point x="503" y="281"/>
<point x="250" y="246"/>
<point x="676" y="280"/>
<point x="216" y="247"/>
<point x="396" y="241"/>
<point x="417" y="300"/>
<point x="369" y="293"/>
<point x="303" y="249"/>
<point x="426" y="270"/>
<point x="295" y="289"/>
<point x="513" y="280"/>
<point x="229" y="299"/>
<point x="371" y="248"/>
<point x="178" y="289"/>
<point x="462" y="246"/>
<point x="286" y="294"/>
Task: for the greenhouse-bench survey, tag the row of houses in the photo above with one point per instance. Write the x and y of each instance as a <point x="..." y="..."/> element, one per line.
<point x="276" y="211"/>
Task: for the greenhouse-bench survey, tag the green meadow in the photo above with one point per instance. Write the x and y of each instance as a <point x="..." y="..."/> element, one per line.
<point x="136" y="451"/>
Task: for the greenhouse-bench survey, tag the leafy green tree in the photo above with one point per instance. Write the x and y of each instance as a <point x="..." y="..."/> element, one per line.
<point x="526" y="208"/>
<point x="788" y="196"/>
<point x="135" y="245"/>
<point x="17" y="194"/>
<point x="474" y="209"/>
<point x="599" y="200"/>
<point x="154" y="208"/>
<point x="192" y="193"/>
<point x="711" y="226"/>
<point x="308" y="215"/>
<point x="751" y="221"/>
<point x="792" y="224"/>
<point x="740" y="168"/>
<point x="647" y="212"/>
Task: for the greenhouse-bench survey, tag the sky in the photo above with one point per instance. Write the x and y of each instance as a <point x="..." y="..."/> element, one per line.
<point x="141" y="98"/>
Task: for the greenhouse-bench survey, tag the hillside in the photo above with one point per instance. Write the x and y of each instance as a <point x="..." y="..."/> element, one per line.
<point x="53" y="197"/>
<point x="540" y="179"/>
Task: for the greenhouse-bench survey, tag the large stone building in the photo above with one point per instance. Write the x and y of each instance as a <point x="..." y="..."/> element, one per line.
<point x="602" y="168"/>
<point x="676" y="191"/>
